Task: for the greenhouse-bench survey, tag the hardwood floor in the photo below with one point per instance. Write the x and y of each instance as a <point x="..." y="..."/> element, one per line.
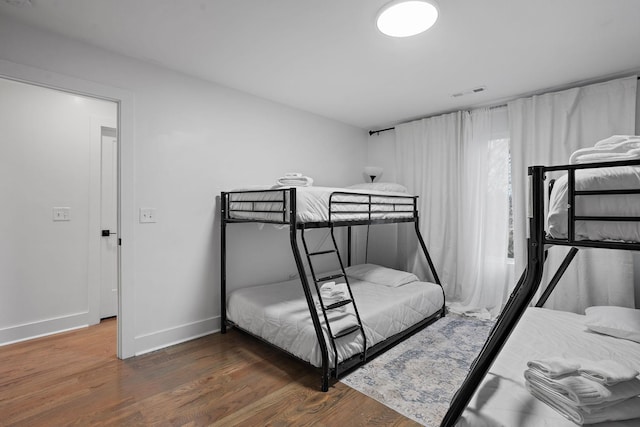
<point x="74" y="378"/>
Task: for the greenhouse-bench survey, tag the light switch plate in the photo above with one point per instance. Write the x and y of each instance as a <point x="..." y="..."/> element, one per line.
<point x="62" y="214"/>
<point x="147" y="215"/>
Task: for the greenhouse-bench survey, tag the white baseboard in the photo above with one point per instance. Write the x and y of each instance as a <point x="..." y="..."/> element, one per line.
<point x="179" y="334"/>
<point x="41" y="328"/>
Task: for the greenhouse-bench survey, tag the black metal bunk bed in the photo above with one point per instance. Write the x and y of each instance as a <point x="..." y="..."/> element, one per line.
<point x="538" y="242"/>
<point x="345" y="209"/>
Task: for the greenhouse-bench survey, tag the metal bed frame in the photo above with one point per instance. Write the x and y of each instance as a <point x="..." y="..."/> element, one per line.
<point x="282" y="209"/>
<point x="538" y="243"/>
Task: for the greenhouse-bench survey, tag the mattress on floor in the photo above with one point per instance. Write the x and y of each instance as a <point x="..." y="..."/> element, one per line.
<point x="279" y="314"/>
<point x="312" y="205"/>
<point x="503" y="400"/>
<point x="617" y="178"/>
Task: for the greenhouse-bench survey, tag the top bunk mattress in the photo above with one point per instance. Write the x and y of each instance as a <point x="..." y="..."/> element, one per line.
<point x="313" y="204"/>
<point x="627" y="205"/>
<point x="502" y="399"/>
<point x="279" y="313"/>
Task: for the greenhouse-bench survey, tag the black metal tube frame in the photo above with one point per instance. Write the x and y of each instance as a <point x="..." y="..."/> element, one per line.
<point x="405" y="206"/>
<point x="529" y="282"/>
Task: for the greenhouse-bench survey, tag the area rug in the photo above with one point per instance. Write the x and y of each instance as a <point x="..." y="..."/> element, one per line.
<point x="419" y="376"/>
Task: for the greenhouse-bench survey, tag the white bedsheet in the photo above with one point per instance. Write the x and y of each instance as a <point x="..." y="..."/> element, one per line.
<point x="610" y="205"/>
<point x="279" y="314"/>
<point x="312" y="205"/>
<point x="502" y="400"/>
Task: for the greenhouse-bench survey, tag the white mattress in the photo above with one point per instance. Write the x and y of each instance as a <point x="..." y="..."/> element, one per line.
<point x="312" y="205"/>
<point x="627" y="177"/>
<point x="502" y="400"/>
<point x="279" y="314"/>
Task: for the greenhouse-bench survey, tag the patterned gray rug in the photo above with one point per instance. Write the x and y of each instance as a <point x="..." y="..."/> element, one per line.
<point x="418" y="377"/>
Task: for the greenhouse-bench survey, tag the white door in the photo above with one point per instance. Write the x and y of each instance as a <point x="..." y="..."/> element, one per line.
<point x="108" y="223"/>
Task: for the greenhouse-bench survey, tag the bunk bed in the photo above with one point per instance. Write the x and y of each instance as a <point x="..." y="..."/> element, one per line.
<point x="377" y="306"/>
<point x="593" y="205"/>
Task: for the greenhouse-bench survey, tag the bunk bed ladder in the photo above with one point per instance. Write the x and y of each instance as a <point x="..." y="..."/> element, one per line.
<point x="328" y="308"/>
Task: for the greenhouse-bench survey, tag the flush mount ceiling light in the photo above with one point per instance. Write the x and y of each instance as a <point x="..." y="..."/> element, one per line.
<point x="404" y="18"/>
<point x="19" y="3"/>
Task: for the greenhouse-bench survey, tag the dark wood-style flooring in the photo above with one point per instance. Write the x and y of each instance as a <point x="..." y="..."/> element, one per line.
<point x="74" y="378"/>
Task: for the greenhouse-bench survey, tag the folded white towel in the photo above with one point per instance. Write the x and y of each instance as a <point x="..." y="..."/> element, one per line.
<point x="554" y="367"/>
<point x="579" y="391"/>
<point x="600" y="406"/>
<point x="327" y="286"/>
<point x="617" y="147"/>
<point x="330" y="292"/>
<point x="616" y="140"/>
<point x="608" y="372"/>
<point x="302" y="181"/>
<point x="623" y="410"/>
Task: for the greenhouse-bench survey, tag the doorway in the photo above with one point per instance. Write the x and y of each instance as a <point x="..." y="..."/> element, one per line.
<point x="124" y="99"/>
<point x="50" y="269"/>
<point x="108" y="222"/>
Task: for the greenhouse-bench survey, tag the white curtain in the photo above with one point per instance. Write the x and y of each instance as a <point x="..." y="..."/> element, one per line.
<point x="458" y="165"/>
<point x="427" y="163"/>
<point x="482" y="267"/>
<point x="545" y="130"/>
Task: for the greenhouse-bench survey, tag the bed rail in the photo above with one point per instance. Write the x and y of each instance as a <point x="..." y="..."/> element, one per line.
<point x="345" y="208"/>
<point x="573" y="217"/>
<point x="273" y="204"/>
<point x="537" y="242"/>
<point x="369" y="208"/>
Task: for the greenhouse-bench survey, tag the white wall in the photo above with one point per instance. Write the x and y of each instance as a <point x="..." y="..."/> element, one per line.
<point x="45" y="162"/>
<point x="382" y="239"/>
<point x="194" y="139"/>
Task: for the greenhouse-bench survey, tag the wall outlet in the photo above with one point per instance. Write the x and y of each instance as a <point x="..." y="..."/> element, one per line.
<point x="62" y="214"/>
<point x="147" y="215"/>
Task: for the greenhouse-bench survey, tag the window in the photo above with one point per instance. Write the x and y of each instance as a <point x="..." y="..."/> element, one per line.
<point x="500" y="179"/>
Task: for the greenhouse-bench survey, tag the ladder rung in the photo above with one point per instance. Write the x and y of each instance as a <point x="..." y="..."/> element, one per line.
<point x="338" y="304"/>
<point x="347" y="331"/>
<point x="334" y="276"/>
<point x="329" y="251"/>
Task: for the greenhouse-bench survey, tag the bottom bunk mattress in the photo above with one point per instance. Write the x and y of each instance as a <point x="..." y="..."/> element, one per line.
<point x="503" y="399"/>
<point x="388" y="301"/>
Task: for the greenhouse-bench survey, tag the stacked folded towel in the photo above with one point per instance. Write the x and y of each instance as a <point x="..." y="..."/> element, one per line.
<point x="294" y="179"/>
<point x="330" y="292"/>
<point x="616" y="147"/>
<point x="585" y="391"/>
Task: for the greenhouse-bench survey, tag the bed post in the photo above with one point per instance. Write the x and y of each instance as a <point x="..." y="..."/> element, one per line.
<point x="293" y="237"/>
<point x="223" y="262"/>
<point x="416" y="224"/>
<point x="516" y="305"/>
<point x="349" y="246"/>
<point x="436" y="279"/>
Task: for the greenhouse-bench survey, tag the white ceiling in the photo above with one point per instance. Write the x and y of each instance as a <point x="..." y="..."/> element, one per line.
<point x="326" y="56"/>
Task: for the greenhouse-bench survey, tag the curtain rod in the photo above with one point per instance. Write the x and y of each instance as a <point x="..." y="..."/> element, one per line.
<point x="371" y="132"/>
<point x="492" y="107"/>
<point x="377" y="131"/>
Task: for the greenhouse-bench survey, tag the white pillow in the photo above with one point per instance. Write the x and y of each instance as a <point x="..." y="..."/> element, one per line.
<point x="619" y="322"/>
<point x="380" y="186"/>
<point x="380" y="275"/>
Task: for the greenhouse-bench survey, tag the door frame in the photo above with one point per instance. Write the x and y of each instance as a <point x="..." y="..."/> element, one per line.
<point x="126" y="150"/>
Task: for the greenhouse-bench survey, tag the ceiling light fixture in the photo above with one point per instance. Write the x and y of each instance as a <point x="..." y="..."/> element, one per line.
<point x="19" y="3"/>
<point x="404" y="18"/>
